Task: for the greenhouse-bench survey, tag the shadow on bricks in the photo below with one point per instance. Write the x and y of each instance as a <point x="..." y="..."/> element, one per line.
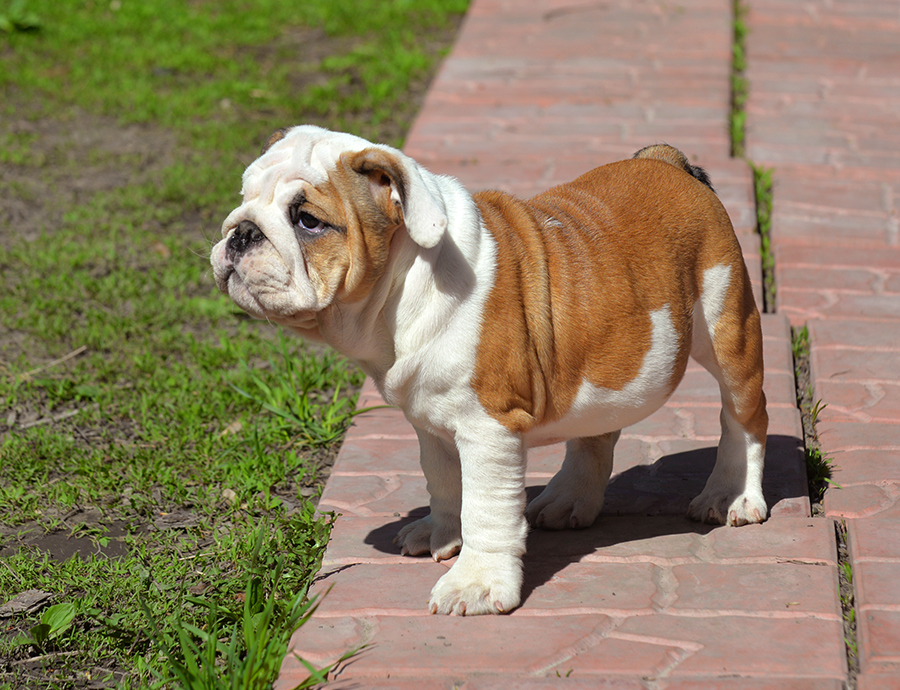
<point x="654" y="497"/>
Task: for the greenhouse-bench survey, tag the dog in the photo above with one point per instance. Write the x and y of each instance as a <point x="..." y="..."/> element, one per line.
<point x="498" y="324"/>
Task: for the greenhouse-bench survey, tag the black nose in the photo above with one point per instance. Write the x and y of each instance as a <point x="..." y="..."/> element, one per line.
<point x="246" y="234"/>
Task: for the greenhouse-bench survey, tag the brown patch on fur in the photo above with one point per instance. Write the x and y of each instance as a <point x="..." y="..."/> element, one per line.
<point x="579" y="269"/>
<point x="738" y="350"/>
<point x="356" y="200"/>
<point x="277" y="135"/>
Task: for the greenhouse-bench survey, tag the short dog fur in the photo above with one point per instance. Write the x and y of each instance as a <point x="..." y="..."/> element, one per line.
<point x="497" y="324"/>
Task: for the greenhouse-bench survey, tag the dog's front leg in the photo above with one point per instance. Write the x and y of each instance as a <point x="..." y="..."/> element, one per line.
<point x="439" y="532"/>
<point x="487" y="577"/>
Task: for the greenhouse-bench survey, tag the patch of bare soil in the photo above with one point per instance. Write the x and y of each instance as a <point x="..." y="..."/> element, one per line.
<point x="71" y="159"/>
<point x="63" y="162"/>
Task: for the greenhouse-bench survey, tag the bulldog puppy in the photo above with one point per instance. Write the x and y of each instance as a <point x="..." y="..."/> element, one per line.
<point x="497" y="324"/>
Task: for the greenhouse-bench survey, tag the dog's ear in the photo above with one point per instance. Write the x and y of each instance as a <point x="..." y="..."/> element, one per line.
<point x="403" y="193"/>
<point x="277" y="135"/>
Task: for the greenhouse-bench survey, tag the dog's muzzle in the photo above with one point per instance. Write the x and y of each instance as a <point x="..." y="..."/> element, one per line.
<point x="245" y="235"/>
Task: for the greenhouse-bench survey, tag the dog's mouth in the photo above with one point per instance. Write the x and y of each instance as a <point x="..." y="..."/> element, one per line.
<point x="259" y="283"/>
<point x="236" y="287"/>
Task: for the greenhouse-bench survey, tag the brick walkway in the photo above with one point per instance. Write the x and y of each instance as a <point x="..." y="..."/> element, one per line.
<point x="535" y="93"/>
<point x="824" y="112"/>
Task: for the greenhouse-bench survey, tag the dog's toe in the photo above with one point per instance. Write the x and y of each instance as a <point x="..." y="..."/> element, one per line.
<point x="415" y="538"/>
<point x="478" y="584"/>
<point x="725" y="507"/>
<point x="441" y="539"/>
<point x="562" y="510"/>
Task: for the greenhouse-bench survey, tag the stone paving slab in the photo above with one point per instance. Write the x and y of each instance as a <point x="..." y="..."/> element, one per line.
<point x="824" y="112"/>
<point x="535" y="90"/>
<point x="875" y="553"/>
<point x="630" y="597"/>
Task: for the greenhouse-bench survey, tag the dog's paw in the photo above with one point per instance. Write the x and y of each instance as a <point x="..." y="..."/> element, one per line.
<point x="479" y="583"/>
<point x="725" y="507"/>
<point x="559" y="508"/>
<point x="442" y="540"/>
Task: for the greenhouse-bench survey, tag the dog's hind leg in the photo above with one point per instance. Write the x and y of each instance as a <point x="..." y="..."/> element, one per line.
<point x="727" y="341"/>
<point x="574" y="497"/>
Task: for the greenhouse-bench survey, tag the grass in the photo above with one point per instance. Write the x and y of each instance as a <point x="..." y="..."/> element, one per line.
<point x="17" y="17"/>
<point x="848" y="602"/>
<point x="740" y="85"/>
<point x="176" y="445"/>
<point x="762" y="183"/>
<point x="737" y="123"/>
<point x="221" y="69"/>
<point x="819" y="465"/>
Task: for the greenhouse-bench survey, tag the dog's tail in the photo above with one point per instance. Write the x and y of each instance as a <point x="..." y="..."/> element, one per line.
<point x="669" y="154"/>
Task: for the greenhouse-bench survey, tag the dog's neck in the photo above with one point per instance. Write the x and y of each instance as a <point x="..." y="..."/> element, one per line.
<point x="416" y="301"/>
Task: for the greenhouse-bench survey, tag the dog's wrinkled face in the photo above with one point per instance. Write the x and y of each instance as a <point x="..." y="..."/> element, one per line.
<point x="315" y="227"/>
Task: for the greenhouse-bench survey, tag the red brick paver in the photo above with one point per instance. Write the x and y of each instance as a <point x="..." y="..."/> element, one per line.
<point x="824" y="113"/>
<point x="535" y="93"/>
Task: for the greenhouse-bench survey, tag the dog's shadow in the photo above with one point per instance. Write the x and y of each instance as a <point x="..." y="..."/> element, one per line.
<point x="655" y="497"/>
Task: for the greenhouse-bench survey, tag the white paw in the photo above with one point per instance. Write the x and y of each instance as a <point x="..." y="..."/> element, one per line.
<point x="479" y="583"/>
<point x="725" y="507"/>
<point x="559" y="508"/>
<point x="442" y="540"/>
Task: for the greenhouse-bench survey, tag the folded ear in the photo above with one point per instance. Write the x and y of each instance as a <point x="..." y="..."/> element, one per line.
<point x="399" y="186"/>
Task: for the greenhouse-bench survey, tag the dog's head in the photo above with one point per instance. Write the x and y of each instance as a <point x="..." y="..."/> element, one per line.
<point x="320" y="211"/>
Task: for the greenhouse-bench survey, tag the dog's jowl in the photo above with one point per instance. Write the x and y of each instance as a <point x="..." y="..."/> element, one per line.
<point x="497" y="324"/>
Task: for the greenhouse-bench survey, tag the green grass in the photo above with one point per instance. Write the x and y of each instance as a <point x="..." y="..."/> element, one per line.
<point x="819" y="465"/>
<point x="740" y="85"/>
<point x="17" y="17"/>
<point x="222" y="68"/>
<point x="762" y="183"/>
<point x="142" y="418"/>
<point x="846" y="591"/>
<point x="737" y="124"/>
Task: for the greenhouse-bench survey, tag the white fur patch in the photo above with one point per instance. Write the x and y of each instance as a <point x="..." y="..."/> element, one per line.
<point x="305" y="153"/>
<point x="707" y="312"/>
<point x="716" y="281"/>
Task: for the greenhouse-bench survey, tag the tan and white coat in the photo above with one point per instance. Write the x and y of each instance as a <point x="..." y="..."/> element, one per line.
<point x="497" y="324"/>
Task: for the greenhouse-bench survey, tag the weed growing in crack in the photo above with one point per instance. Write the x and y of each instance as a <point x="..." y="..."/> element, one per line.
<point x="740" y="85"/>
<point x="762" y="185"/>
<point x="819" y="465"/>
<point x="848" y="607"/>
<point x="737" y="124"/>
<point x="819" y="470"/>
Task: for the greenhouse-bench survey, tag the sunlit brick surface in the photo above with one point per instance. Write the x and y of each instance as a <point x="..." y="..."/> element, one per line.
<point x="535" y="93"/>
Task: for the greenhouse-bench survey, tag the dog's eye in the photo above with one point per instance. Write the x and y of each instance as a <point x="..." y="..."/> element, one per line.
<point x="305" y="220"/>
